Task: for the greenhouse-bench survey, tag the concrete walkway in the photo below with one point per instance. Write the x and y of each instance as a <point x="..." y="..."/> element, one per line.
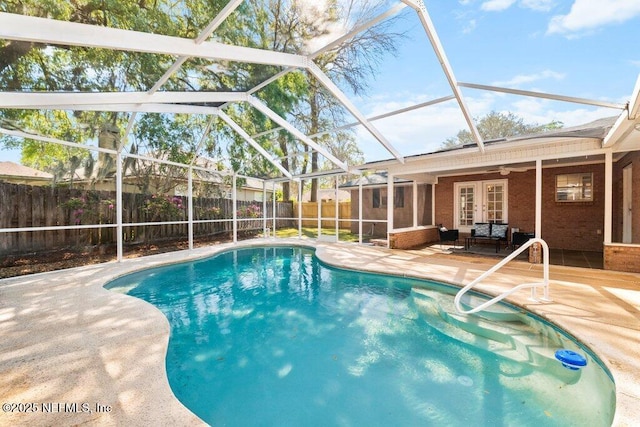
<point x="92" y="356"/>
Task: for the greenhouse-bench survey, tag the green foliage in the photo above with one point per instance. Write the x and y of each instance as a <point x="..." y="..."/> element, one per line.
<point x="281" y="25"/>
<point x="496" y="125"/>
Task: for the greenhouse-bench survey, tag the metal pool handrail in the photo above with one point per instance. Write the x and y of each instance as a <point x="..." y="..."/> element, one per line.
<point x="544" y="284"/>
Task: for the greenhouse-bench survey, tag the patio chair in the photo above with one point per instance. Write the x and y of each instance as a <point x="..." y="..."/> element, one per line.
<point x="448" y="235"/>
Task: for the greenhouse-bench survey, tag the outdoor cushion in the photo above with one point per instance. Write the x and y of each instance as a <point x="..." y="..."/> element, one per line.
<point x="499" y="230"/>
<point x="482" y="229"/>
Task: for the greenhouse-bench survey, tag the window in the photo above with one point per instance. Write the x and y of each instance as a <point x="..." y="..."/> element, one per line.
<point x="574" y="187"/>
<point x="398" y="197"/>
<point x="379" y="197"/>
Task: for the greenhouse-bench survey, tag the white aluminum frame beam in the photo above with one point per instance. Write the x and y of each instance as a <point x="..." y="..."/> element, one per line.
<point x="337" y="42"/>
<point x="340" y="96"/>
<point x="371" y="119"/>
<point x="295" y="132"/>
<point x="236" y="127"/>
<point x="73" y="99"/>
<point x="563" y="98"/>
<point x="392" y="11"/>
<point x="204" y="34"/>
<point x="135" y="108"/>
<point x="389" y="114"/>
<point x="49" y="31"/>
<point x="423" y="14"/>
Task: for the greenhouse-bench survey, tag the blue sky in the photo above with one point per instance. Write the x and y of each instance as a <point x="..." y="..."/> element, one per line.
<point x="578" y="48"/>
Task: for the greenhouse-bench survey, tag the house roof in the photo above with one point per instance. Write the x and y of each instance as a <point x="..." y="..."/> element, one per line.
<point x="596" y="129"/>
<point x="17" y="170"/>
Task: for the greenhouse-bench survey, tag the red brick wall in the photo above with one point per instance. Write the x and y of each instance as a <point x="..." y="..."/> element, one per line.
<point x="564" y="225"/>
<point x="577" y="226"/>
<point x="412" y="238"/>
<point x="634" y="160"/>
<point x="622" y="258"/>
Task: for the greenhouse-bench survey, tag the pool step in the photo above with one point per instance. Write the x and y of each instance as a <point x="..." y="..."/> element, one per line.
<point x="504" y="331"/>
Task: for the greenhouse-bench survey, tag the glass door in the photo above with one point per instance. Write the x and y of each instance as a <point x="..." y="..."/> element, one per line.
<point x="479" y="201"/>
<point x="494" y="206"/>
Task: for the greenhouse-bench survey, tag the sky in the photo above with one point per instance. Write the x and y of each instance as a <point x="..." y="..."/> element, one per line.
<point x="578" y="48"/>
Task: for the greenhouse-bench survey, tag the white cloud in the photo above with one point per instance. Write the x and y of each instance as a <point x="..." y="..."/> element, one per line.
<point x="530" y="78"/>
<point x="539" y="5"/>
<point x="471" y="25"/>
<point x="636" y="63"/>
<point x="497" y="5"/>
<point x="589" y="15"/>
<point x="542" y="111"/>
<point x="500" y="5"/>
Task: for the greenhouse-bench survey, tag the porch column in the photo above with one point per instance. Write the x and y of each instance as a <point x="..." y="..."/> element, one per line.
<point x="608" y="195"/>
<point x="389" y="207"/>
<point x="415" y="203"/>
<point x="433" y="206"/>
<point x="360" y="211"/>
<point x="538" y="228"/>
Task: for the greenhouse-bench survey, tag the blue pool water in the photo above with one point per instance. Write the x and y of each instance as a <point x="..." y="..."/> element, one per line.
<point x="270" y="336"/>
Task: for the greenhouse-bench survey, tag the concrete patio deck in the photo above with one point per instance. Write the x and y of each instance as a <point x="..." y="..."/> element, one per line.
<point x="67" y="340"/>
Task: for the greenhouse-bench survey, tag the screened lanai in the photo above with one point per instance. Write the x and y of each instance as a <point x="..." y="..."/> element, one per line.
<point x="186" y="175"/>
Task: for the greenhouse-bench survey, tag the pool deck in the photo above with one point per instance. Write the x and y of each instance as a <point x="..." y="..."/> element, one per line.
<point x="66" y="340"/>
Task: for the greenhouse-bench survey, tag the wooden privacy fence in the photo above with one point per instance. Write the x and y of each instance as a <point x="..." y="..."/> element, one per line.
<point x="24" y="206"/>
<point x="310" y="213"/>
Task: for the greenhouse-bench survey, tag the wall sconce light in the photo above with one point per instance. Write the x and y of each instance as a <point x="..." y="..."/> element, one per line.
<point x="637" y="127"/>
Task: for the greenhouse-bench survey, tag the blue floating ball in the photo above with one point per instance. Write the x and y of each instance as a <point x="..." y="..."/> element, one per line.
<point x="570" y="359"/>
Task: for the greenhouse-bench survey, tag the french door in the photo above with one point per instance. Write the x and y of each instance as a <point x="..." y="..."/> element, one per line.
<point x="480" y="201"/>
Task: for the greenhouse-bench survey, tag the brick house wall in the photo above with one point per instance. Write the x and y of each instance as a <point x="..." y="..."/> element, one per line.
<point x="577" y="226"/>
<point x="632" y="159"/>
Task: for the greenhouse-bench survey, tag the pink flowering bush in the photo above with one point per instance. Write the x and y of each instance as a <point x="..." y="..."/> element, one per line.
<point x="163" y="208"/>
<point x="90" y="209"/>
<point x="251" y="211"/>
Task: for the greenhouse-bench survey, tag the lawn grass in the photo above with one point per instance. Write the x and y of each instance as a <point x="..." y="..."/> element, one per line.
<point x="312" y="232"/>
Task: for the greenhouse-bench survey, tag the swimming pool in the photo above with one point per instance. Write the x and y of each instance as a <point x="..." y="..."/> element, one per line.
<point x="270" y="336"/>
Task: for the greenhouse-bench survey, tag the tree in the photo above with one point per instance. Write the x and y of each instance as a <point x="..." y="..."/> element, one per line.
<point x="496" y="125"/>
<point x="282" y="25"/>
<point x="349" y="64"/>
